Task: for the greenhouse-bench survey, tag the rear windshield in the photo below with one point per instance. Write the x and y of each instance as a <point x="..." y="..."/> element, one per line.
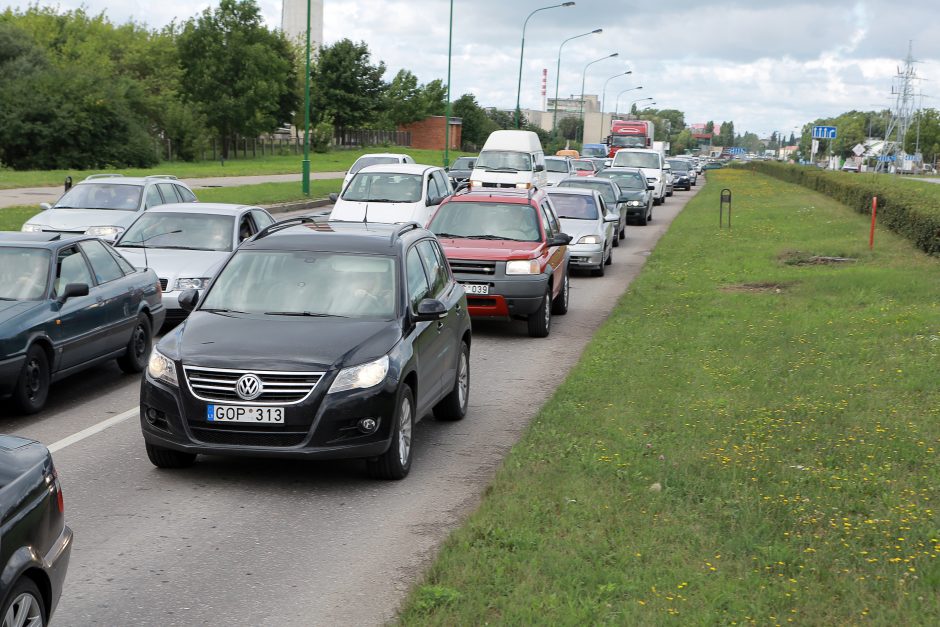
<point x="637" y="160"/>
<point x="678" y="164"/>
<point x="625" y="180"/>
<point x="576" y="207"/>
<point x="593" y="151"/>
<point x="463" y="163"/>
<point x="486" y="220"/>
<point x="367" y="161"/>
<point x="604" y="189"/>
<point x="556" y="165"/>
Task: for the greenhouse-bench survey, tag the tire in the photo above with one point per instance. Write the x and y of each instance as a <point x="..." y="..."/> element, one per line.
<point x="454" y="405"/>
<point x="616" y="240"/>
<point x="600" y="270"/>
<point x="135" y="358"/>
<point x="32" y="386"/>
<point x="668" y="194"/>
<point x="396" y="461"/>
<point x="168" y="458"/>
<point x="610" y="258"/>
<point x="24" y="605"/>
<point x="644" y="219"/>
<point x="540" y="322"/>
<point x="623" y="229"/>
<point x="560" y="304"/>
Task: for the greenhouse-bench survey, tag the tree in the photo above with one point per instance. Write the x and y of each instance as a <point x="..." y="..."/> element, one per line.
<point x="406" y="101"/>
<point x="347" y="87"/>
<point x="682" y="143"/>
<point x="725" y="134"/>
<point x="709" y="127"/>
<point x="434" y="95"/>
<point x="570" y="127"/>
<point x="241" y="75"/>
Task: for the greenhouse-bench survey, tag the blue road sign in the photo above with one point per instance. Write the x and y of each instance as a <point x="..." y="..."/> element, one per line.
<point x="886" y="158"/>
<point x="824" y="132"/>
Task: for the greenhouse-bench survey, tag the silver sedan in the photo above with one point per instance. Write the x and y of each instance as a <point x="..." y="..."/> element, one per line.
<point x="585" y="217"/>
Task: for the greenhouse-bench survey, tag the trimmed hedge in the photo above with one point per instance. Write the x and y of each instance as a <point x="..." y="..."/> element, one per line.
<point x="910" y="208"/>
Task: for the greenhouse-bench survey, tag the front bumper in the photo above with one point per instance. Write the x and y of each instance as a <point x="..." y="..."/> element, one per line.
<point x="323" y="426"/>
<point x="519" y="296"/>
<point x="10" y="370"/>
<point x="586" y="255"/>
<point x="56" y="563"/>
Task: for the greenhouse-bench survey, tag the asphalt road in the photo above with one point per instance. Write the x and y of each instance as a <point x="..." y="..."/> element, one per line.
<point x="261" y="542"/>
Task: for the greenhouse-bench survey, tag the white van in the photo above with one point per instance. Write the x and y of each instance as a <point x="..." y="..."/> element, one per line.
<point x="650" y="162"/>
<point x="510" y="159"/>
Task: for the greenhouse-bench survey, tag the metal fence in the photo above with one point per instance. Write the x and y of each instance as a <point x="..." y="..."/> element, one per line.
<point x="250" y="148"/>
<point x="357" y="137"/>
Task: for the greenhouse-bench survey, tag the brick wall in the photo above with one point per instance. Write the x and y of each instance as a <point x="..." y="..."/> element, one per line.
<point x="429" y="133"/>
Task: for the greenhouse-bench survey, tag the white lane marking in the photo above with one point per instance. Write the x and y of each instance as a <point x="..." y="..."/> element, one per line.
<point x="92" y="430"/>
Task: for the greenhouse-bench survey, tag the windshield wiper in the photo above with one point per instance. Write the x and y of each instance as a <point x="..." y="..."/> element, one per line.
<point x="494" y="237"/>
<point x="222" y="310"/>
<point x="453" y="235"/>
<point x="180" y="247"/>
<point x="504" y="169"/>
<point x="310" y="314"/>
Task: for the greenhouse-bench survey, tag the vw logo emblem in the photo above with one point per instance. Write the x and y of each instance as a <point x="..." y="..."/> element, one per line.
<point x="249" y="387"/>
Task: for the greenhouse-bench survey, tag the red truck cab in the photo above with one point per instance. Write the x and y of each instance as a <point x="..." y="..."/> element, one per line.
<point x="507" y="250"/>
<point x="629" y="134"/>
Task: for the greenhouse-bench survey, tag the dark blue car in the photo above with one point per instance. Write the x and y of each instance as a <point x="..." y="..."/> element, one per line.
<point x="67" y="303"/>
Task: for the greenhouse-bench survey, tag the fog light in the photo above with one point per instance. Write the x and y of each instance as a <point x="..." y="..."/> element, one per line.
<point x="152" y="415"/>
<point x="367" y="425"/>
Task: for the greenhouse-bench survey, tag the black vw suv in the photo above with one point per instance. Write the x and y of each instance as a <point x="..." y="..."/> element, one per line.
<point x="315" y="340"/>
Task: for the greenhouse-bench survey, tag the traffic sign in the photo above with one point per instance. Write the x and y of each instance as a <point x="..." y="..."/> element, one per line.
<point x="824" y="132"/>
<point x="886" y="158"/>
<point x="859" y="150"/>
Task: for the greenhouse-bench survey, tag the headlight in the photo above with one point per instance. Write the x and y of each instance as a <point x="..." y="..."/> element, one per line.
<point x="193" y="284"/>
<point x="162" y="368"/>
<point x="523" y="185"/>
<point x="589" y="239"/>
<point x="105" y="231"/>
<point x="523" y="267"/>
<point x="32" y="228"/>
<point x="362" y="376"/>
<point x="474" y="183"/>
<point x="634" y="203"/>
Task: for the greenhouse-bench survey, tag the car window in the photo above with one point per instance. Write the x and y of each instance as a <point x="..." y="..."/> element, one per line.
<point x="119" y="196"/>
<point x="409" y="159"/>
<point x="154" y="199"/>
<point x="262" y="219"/>
<point x="552" y="216"/>
<point x="436" y="270"/>
<point x="434" y="191"/>
<point x="575" y="206"/>
<point x="126" y="266"/>
<point x="443" y="182"/>
<point x="246" y="227"/>
<point x="168" y="190"/>
<point x="363" y="162"/>
<point x="103" y="264"/>
<point x="185" y="194"/>
<point x="24" y="273"/>
<point x="70" y="268"/>
<point x="418" y="288"/>
<point x="546" y="221"/>
<point x="442" y="259"/>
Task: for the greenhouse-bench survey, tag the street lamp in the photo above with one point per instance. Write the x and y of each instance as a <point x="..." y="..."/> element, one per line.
<point x="604" y="93"/>
<point x="305" y="168"/>
<point x="647" y="106"/>
<point x="617" y="102"/>
<point x="583" y="78"/>
<point x="522" y="52"/>
<point x="450" y="42"/>
<point x="640" y="100"/>
<point x="558" y="71"/>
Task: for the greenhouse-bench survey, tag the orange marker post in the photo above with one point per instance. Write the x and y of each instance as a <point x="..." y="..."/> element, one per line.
<point x="874" y="212"/>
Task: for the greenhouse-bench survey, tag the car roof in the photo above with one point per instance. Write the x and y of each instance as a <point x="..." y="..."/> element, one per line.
<point x="558" y="158"/>
<point x="39" y="240"/>
<point x="120" y="179"/>
<point x="399" y="168"/>
<point x="307" y="233"/>
<point x="214" y="208"/>
<point x="398" y="155"/>
<point x="493" y="194"/>
<point x="573" y="191"/>
<point x="587" y="179"/>
<point x="620" y="168"/>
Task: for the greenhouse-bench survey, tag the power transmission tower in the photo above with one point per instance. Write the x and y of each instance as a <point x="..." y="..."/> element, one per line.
<point x="902" y="115"/>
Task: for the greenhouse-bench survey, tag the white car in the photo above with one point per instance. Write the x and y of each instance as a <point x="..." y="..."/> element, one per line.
<point x="392" y="193"/>
<point x="651" y="163"/>
<point x="379" y="158"/>
<point x="558" y="169"/>
<point x="104" y="205"/>
<point x="186" y="245"/>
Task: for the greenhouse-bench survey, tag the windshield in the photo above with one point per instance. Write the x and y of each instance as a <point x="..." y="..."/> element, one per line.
<point x="583" y="166"/>
<point x="189" y="231"/>
<point x="508" y="160"/>
<point x="628" y="141"/>
<point x="463" y="163"/>
<point x="679" y="165"/>
<point x="486" y="220"/>
<point x="101" y="196"/>
<point x="625" y="180"/>
<point x="384" y="187"/>
<point x="24" y="273"/>
<point x="302" y="283"/>
<point x="593" y="151"/>
<point x="637" y="160"/>
<point x="556" y="165"/>
<point x="604" y="188"/>
<point x="367" y="161"/>
<point x="576" y="207"/>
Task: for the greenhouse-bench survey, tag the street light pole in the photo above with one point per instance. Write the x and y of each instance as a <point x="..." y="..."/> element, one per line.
<point x="305" y="184"/>
<point x="583" y="78"/>
<point x="450" y="42"/>
<point x="522" y="52"/>
<point x="617" y="102"/>
<point x="558" y="72"/>
<point x="640" y="100"/>
<point x="604" y="93"/>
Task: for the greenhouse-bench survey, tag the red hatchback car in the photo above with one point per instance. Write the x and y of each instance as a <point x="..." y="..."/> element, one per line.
<point x="507" y="249"/>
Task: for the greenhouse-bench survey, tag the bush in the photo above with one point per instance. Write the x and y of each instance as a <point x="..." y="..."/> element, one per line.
<point x="909" y="208"/>
<point x="321" y="136"/>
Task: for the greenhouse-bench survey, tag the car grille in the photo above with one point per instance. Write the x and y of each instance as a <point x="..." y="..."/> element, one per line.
<point x="499" y="185"/>
<point x="280" y="388"/>
<point x="163" y="284"/>
<point x="462" y="266"/>
<point x="248" y="438"/>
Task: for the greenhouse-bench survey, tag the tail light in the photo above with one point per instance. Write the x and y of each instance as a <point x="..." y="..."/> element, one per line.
<point x="57" y="486"/>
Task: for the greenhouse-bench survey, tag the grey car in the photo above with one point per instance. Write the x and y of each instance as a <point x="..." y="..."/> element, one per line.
<point x="104" y="205"/>
<point x="610" y="192"/>
<point x="635" y="191"/>
<point x="585" y="217"/>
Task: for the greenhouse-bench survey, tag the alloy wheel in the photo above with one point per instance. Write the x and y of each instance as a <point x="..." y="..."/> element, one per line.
<point x="140" y="340"/>
<point x="463" y="380"/>
<point x="25" y="611"/>
<point x="33" y="378"/>
<point x="548" y="309"/>
<point x="404" y="432"/>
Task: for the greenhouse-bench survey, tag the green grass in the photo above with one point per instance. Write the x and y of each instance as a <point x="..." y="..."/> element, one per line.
<point x="335" y="161"/>
<point x="12" y="218"/>
<point x="768" y="456"/>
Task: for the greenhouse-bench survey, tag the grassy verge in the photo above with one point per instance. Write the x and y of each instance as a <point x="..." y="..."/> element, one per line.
<point x="335" y="161"/>
<point x="12" y="218"/>
<point x="768" y="456"/>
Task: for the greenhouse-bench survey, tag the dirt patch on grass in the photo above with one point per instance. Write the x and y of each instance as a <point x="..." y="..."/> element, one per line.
<point x="769" y="288"/>
<point x="798" y="258"/>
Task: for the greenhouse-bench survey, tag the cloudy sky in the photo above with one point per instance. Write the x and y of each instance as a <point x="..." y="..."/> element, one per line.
<point x="765" y="65"/>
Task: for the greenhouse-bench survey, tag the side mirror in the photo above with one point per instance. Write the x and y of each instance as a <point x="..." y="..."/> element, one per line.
<point x="612" y="217"/>
<point x="73" y="290"/>
<point x="334" y="197"/>
<point x="560" y="239"/>
<point x="45" y="206"/>
<point x="447" y="169"/>
<point x="539" y="168"/>
<point x="430" y="309"/>
<point x="188" y="300"/>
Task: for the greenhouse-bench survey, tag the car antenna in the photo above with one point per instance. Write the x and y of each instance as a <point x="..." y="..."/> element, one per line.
<point x="143" y="243"/>
<point x="365" y="215"/>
